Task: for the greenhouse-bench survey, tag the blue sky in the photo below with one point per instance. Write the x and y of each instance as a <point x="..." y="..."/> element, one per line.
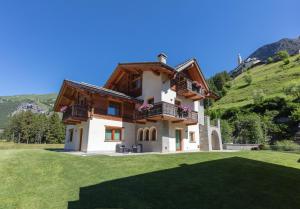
<point x="43" y="42"/>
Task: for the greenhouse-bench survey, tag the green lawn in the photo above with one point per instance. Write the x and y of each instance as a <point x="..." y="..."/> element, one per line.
<point x="33" y="178"/>
<point x="11" y="145"/>
<point x="271" y="78"/>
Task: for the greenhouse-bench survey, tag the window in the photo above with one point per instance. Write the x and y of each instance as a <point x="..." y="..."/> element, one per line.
<point x="114" y="108"/>
<point x="136" y="81"/>
<point x="192" y="136"/>
<point x="146" y="134"/>
<point x="177" y="102"/>
<point x="113" y="134"/>
<point x="136" y="84"/>
<point x="140" y="135"/>
<point x="153" y="134"/>
<point x="71" y="134"/>
<point x="151" y="101"/>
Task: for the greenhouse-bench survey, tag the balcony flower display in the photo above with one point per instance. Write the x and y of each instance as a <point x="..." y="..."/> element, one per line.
<point x="63" y="109"/>
<point x="145" y="107"/>
<point x="197" y="84"/>
<point x="184" y="108"/>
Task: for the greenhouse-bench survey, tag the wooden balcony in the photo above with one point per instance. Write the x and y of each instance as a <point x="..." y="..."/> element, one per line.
<point x="189" y="90"/>
<point x="75" y="114"/>
<point x="167" y="111"/>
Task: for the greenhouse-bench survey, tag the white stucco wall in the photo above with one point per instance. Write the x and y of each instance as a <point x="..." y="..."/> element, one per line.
<point x="151" y="146"/>
<point x="152" y="85"/>
<point x="187" y="145"/>
<point x="68" y="144"/>
<point x="74" y="145"/>
<point x="96" y="136"/>
<point x="167" y="94"/>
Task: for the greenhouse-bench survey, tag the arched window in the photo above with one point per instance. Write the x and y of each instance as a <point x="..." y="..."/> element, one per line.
<point x="153" y="134"/>
<point x="146" y="134"/>
<point x="140" y="134"/>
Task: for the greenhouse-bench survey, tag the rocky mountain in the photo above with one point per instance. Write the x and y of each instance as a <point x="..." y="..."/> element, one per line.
<point x="292" y="46"/>
<point x="10" y="105"/>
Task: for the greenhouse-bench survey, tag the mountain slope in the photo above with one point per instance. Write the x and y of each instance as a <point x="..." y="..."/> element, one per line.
<point x="12" y="104"/>
<point x="270" y="78"/>
<point x="292" y="46"/>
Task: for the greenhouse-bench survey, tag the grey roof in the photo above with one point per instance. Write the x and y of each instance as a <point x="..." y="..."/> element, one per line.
<point x="181" y="66"/>
<point x="149" y="63"/>
<point x="99" y="89"/>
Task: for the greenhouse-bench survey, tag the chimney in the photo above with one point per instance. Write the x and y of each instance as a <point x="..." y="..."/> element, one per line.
<point x="162" y="58"/>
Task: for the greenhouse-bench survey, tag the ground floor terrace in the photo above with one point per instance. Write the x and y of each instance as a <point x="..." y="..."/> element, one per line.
<point x="103" y="135"/>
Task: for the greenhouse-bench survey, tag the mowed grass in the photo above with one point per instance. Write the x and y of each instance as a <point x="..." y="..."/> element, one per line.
<point x="271" y="78"/>
<point x="33" y="178"/>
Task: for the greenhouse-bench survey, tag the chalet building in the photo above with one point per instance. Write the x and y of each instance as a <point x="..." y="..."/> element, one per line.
<point x="149" y="104"/>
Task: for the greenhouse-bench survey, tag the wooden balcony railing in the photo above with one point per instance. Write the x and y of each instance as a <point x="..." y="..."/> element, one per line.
<point x="187" y="85"/>
<point x="167" y="109"/>
<point x="125" y="115"/>
<point x="75" y="112"/>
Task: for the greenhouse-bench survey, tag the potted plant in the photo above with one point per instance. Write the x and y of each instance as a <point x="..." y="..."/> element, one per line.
<point x="183" y="110"/>
<point x="196" y="86"/>
<point x="144" y="108"/>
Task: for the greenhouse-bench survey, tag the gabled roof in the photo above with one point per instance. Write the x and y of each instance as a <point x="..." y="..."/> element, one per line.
<point x="135" y="66"/>
<point x="188" y="63"/>
<point x="92" y="89"/>
<point x="98" y="89"/>
<point x="184" y="64"/>
<point x="149" y="66"/>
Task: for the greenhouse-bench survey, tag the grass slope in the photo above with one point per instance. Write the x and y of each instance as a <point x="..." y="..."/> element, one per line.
<point x="43" y="179"/>
<point x="8" y="104"/>
<point x="271" y="78"/>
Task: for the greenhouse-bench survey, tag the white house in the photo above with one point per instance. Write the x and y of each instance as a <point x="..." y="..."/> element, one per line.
<point x="244" y="65"/>
<point x="149" y="104"/>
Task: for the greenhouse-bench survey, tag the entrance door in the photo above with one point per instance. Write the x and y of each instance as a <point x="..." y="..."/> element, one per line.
<point x="178" y="139"/>
<point x="80" y="139"/>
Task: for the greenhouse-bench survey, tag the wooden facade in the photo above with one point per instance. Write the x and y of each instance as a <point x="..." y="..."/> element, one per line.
<point x="78" y="102"/>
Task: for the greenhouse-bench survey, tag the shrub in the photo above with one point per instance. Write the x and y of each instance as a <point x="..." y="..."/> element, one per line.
<point x="270" y="60"/>
<point x="286" y="145"/>
<point x="226" y="131"/>
<point x="286" y="61"/>
<point x="293" y="90"/>
<point x="281" y="55"/>
<point x="258" y="96"/>
<point x="228" y="85"/>
<point x="296" y="114"/>
<point x="248" y="79"/>
<point x="249" y="129"/>
<point x="263" y="147"/>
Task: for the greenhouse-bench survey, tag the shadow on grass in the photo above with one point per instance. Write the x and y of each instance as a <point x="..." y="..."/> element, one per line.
<point x="231" y="183"/>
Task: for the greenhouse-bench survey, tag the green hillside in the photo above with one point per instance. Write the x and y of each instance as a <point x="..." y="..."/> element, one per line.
<point x="9" y="104"/>
<point x="270" y="78"/>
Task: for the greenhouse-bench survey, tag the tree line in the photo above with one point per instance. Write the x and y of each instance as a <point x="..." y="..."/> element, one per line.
<point x="28" y="127"/>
